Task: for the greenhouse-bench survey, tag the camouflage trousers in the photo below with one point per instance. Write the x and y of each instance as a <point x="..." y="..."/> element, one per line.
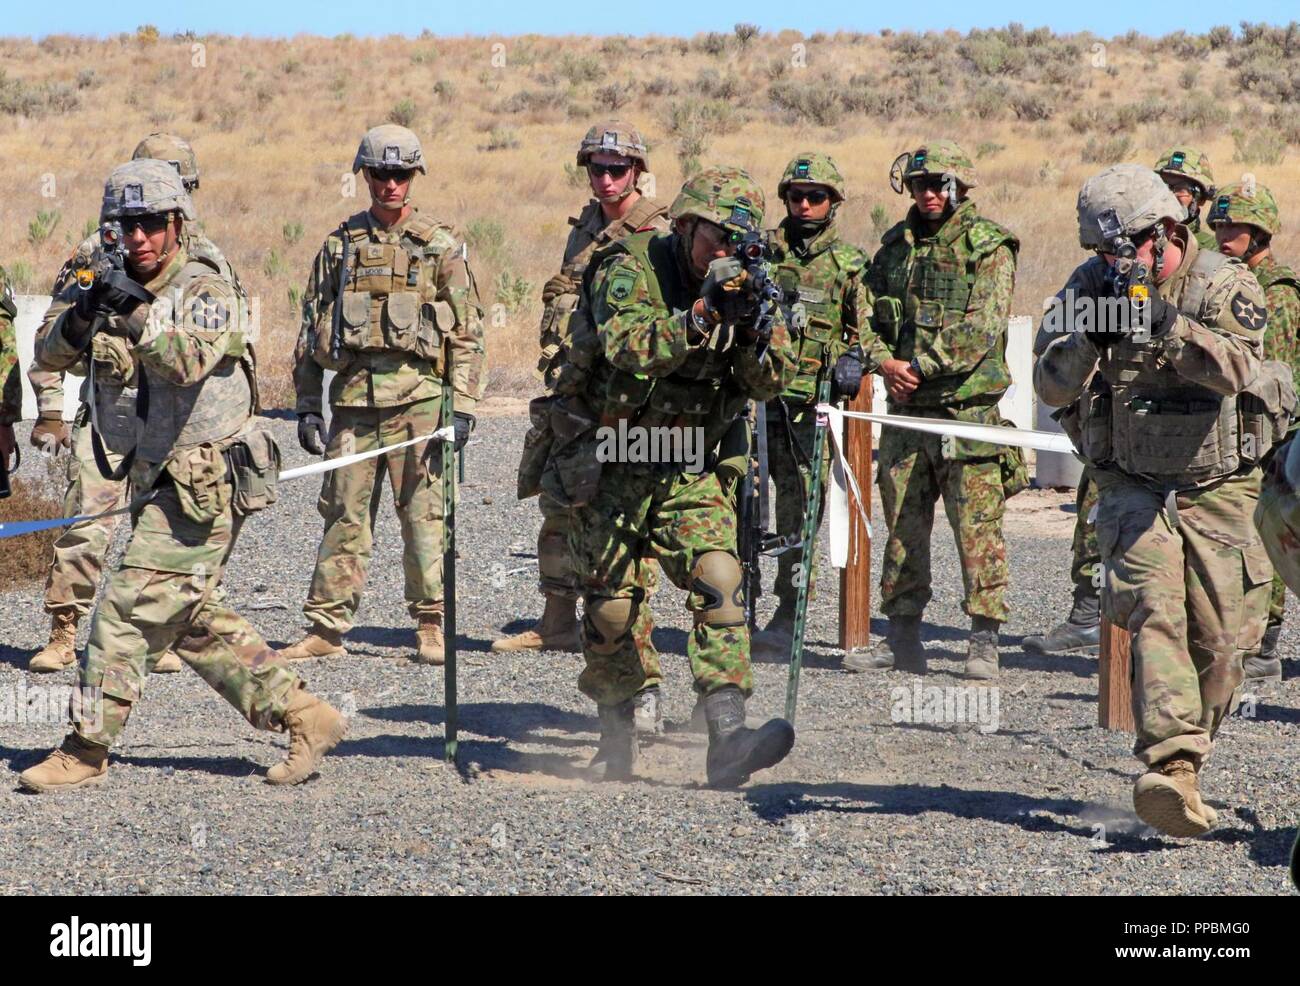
<point x="913" y="473"/>
<point x="1083" y="550"/>
<point x="163" y="596"/>
<point x="79" y="552"/>
<point x="791" y="474"/>
<point x="1193" y="594"/>
<point x="639" y="515"/>
<point x="349" y="499"/>
<point x="555" y="575"/>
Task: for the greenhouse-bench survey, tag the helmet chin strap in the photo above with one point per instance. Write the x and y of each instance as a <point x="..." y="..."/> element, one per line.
<point x="1158" y="258"/>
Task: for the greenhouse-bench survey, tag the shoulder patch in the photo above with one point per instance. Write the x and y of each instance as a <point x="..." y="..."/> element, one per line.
<point x="1247" y="313"/>
<point x="622" y="281"/>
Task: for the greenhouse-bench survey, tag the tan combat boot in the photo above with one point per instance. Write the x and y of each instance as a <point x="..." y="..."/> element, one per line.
<point x="431" y="648"/>
<point x="558" y="630"/>
<point x="315" y="727"/>
<point x="169" y="663"/>
<point x="75" y="763"/>
<point x="1168" y="798"/>
<point x="319" y="643"/>
<point x="60" y="652"/>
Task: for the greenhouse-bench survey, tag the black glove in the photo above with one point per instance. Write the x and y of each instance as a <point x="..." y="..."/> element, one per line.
<point x="311" y="433"/>
<point x="723" y="286"/>
<point x="1160" y="316"/>
<point x="464" y="425"/>
<point x="846" y="378"/>
<point x="117" y="294"/>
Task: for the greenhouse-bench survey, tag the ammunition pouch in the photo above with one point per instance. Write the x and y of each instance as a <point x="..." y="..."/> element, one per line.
<point x="537" y="448"/>
<point x="254" y="470"/>
<point x="199" y="474"/>
<point x="733" y="453"/>
<point x="572" y="471"/>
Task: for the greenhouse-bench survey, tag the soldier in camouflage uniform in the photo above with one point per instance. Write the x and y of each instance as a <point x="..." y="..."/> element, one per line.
<point x="1155" y="395"/>
<point x="614" y="156"/>
<point x="1245" y="219"/>
<point x="11" y="395"/>
<point x="207" y="463"/>
<point x="407" y="300"/>
<point x="1187" y="173"/>
<point x="670" y="342"/>
<point x="942" y="282"/>
<point x="80" y="550"/>
<point x="828" y="275"/>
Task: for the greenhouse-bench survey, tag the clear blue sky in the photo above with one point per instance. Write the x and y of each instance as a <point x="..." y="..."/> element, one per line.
<point x="671" y="17"/>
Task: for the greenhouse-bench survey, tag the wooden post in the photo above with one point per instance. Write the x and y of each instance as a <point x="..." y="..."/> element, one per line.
<point x="1114" y="679"/>
<point x="855" y="579"/>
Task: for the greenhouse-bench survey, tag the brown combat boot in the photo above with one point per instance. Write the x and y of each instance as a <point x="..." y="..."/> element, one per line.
<point x="75" y="763"/>
<point x="432" y="647"/>
<point x="1168" y="798"/>
<point x="319" y="643"/>
<point x="558" y="630"/>
<point x="315" y="727"/>
<point x="60" y="652"/>
<point x="169" y="663"/>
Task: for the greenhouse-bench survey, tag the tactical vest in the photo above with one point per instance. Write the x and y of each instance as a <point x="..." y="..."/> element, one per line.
<point x="822" y="284"/>
<point x="184" y="416"/>
<point x="388" y="303"/>
<point x="553" y="326"/>
<point x="1141" y="416"/>
<point x="924" y="285"/>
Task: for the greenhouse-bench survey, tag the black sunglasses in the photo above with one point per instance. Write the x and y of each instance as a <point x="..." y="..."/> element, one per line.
<point x="398" y="175"/>
<point x="930" y="183"/>
<point x="613" y="170"/>
<point x="814" y="196"/>
<point x="150" y="225"/>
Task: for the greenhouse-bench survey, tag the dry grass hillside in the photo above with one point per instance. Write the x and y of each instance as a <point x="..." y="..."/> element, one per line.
<point x="275" y="124"/>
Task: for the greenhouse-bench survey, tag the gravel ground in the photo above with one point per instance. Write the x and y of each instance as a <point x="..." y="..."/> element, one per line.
<point x="864" y="804"/>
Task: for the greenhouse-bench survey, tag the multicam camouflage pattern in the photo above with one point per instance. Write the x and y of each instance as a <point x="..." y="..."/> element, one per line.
<point x="813" y="168"/>
<point x="915" y="469"/>
<point x="164" y="596"/>
<point x="1194" y="597"/>
<point x="640" y="515"/>
<point x="415" y="475"/>
<point x="1084" y="552"/>
<point x="726" y="196"/>
<point x="614" y="137"/>
<point x="11" y="395"/>
<point x="1252" y="204"/>
<point x="941" y="157"/>
<point x="176" y="151"/>
<point x="145" y="187"/>
<point x="655" y="372"/>
<point x="376" y="377"/>
<point x="389" y="146"/>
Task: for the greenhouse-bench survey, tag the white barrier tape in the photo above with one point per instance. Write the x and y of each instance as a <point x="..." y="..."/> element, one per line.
<point x="19" y="527"/>
<point x="842" y="476"/>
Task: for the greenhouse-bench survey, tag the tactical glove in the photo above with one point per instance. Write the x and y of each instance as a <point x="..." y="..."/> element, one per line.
<point x="311" y="433"/>
<point x="51" y="433"/>
<point x="723" y="285"/>
<point x="556" y="286"/>
<point x="464" y="425"/>
<point x="846" y="378"/>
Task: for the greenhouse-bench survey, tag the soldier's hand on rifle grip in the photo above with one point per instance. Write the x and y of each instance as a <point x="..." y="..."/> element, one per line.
<point x="846" y="378"/>
<point x="311" y="433"/>
<point x="464" y="425"/>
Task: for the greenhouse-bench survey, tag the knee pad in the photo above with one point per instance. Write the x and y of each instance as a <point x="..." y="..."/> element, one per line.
<point x="553" y="557"/>
<point x="716" y="577"/>
<point x="607" y="623"/>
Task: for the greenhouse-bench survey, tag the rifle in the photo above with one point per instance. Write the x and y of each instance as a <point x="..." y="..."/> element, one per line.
<point x="336" y="328"/>
<point x="753" y="253"/>
<point x="808" y="537"/>
<point x="447" y="418"/>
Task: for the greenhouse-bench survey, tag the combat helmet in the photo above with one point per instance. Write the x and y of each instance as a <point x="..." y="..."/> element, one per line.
<point x="1245" y="202"/>
<point x="935" y="157"/>
<point x="726" y="196"/>
<point x="614" y="137"/>
<point x="389" y="146"/>
<point x="812" y="168"/>
<point x="1137" y="197"/>
<point x="1183" y="162"/>
<point x="176" y="151"/>
<point x="145" y="186"/>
